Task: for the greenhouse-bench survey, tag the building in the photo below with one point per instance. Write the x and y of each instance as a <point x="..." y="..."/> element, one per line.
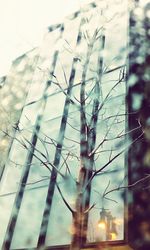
<point x="71" y="120"/>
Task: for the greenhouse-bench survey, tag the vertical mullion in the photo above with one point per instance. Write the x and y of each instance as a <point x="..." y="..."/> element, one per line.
<point x="92" y="135"/>
<point x="25" y="174"/>
<point x="57" y="157"/>
<point x="87" y="143"/>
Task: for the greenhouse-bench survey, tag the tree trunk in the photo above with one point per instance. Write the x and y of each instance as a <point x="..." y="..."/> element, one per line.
<point x="79" y="232"/>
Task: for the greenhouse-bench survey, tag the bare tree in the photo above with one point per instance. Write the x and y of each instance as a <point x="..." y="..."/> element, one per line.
<point x="98" y="130"/>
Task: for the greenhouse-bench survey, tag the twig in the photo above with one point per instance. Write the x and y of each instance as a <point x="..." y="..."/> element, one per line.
<point x="129" y="186"/>
<point x="64" y="200"/>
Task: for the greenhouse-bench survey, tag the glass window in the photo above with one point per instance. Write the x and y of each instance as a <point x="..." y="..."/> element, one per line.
<point x="67" y="161"/>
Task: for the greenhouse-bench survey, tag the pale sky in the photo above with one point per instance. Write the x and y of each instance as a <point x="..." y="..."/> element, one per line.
<point x="24" y="22"/>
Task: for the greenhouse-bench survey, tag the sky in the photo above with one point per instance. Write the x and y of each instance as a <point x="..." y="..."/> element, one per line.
<point x="23" y="24"/>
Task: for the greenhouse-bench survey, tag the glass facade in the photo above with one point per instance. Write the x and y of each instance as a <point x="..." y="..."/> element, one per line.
<point x="74" y="120"/>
